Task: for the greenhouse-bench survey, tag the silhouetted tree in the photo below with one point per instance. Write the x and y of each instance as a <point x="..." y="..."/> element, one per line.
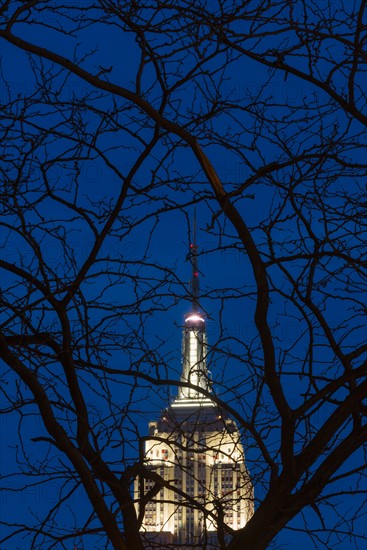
<point x="118" y="118"/>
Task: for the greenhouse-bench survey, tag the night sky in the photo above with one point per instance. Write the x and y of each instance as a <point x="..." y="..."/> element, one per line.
<point x="154" y="233"/>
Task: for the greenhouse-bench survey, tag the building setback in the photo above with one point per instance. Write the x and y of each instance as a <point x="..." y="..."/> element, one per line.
<point x="196" y="449"/>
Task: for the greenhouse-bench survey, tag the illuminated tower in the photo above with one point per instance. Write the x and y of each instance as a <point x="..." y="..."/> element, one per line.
<point x="196" y="449"/>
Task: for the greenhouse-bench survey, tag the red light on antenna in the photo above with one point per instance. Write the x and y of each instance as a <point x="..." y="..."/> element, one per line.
<point x="191" y="246"/>
<point x="196" y="273"/>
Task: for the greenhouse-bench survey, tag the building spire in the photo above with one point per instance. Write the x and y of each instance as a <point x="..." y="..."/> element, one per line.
<point x="195" y="289"/>
<point x="194" y="347"/>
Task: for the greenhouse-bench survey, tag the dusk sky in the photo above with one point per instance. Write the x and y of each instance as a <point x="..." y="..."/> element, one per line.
<point x="138" y="312"/>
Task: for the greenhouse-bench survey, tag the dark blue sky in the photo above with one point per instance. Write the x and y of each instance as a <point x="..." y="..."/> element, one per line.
<point x="281" y="117"/>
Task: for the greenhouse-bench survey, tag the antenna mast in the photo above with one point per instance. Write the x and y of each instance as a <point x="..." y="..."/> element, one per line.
<point x="195" y="272"/>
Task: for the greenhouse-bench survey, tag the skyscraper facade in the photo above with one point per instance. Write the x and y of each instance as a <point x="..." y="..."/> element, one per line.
<point x="195" y="447"/>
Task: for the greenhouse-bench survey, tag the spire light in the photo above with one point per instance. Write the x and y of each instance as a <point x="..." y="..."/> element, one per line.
<point x="194" y="317"/>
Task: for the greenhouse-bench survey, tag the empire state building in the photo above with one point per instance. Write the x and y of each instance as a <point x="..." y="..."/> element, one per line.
<point x="203" y="491"/>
